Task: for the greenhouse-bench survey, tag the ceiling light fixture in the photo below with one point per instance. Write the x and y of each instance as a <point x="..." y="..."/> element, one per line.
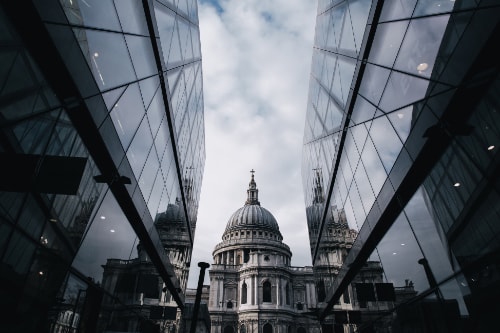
<point x="422" y="67"/>
<point x="491" y="147"/>
<point x="112" y="230"/>
<point x="457" y="184"/>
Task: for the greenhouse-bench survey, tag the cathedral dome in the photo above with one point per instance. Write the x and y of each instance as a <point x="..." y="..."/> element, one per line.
<point x="252" y="215"/>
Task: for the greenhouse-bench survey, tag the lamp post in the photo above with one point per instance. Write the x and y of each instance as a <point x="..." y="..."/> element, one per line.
<point x="203" y="266"/>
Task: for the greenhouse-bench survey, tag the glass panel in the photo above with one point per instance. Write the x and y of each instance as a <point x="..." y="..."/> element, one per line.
<point x="109" y="237"/>
<point x="321" y="28"/>
<point x="156" y="192"/>
<point x="132" y="19"/>
<point x="359" y="11"/>
<point x="421" y="45"/>
<point x="92" y="13"/>
<point x="149" y="174"/>
<point x="18" y="255"/>
<point x="162" y="139"/>
<point x="347" y="41"/>
<point x="429" y="234"/>
<point x="393" y="10"/>
<point x="401" y="257"/>
<point x="139" y="148"/>
<point x="33" y="134"/>
<point x="365" y="190"/>
<point x="127" y="114"/>
<point x="346" y="71"/>
<point x="32" y="220"/>
<point x="185" y="39"/>
<point x="363" y="111"/>
<point x="142" y="55"/>
<point x="373" y="83"/>
<point x="165" y="19"/>
<point x="429" y="7"/>
<point x="374" y="167"/>
<point x="149" y="88"/>
<point x="401" y="121"/>
<point x="156" y="112"/>
<point x="385" y="141"/>
<point x="402" y="90"/>
<point x="328" y="69"/>
<point x="336" y="23"/>
<point x="196" y="41"/>
<point x="387" y="42"/>
<point x="112" y="96"/>
<point x="357" y="206"/>
<point x="108" y="57"/>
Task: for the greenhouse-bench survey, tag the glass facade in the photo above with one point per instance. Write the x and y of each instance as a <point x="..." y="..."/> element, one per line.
<point x="102" y="152"/>
<point x="401" y="142"/>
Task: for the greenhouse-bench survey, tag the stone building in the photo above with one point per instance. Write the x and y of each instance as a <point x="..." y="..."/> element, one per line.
<point x="253" y="288"/>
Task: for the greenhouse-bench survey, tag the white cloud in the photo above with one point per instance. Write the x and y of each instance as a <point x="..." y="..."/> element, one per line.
<point x="256" y="65"/>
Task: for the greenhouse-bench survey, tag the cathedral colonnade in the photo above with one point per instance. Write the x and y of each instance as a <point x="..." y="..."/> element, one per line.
<point x="253" y="288"/>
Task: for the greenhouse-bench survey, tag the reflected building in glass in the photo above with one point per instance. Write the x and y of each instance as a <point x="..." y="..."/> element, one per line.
<point x="102" y="154"/>
<point x="401" y="139"/>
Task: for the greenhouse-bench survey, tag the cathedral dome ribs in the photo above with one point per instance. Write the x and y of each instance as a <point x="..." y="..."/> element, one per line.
<point x="252" y="216"/>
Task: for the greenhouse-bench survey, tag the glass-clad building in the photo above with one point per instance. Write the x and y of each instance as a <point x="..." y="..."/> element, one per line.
<point x="401" y="142"/>
<point x="102" y="151"/>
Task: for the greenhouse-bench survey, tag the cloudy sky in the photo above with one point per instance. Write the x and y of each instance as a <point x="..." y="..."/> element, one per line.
<point x="256" y="65"/>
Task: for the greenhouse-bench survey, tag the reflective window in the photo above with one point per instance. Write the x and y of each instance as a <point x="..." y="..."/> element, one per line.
<point x="92" y="13"/>
<point x="385" y="141"/>
<point x="109" y="236"/>
<point x="100" y="50"/>
<point x="127" y="114"/>
<point x="387" y="42"/>
<point x="421" y="45"/>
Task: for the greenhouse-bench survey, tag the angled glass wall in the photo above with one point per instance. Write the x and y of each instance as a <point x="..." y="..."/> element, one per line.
<point x="400" y="142"/>
<point x="102" y="157"/>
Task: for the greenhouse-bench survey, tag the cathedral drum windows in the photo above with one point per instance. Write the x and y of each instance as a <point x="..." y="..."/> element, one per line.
<point x="266" y="292"/>
<point x="244" y="293"/>
<point x="259" y="291"/>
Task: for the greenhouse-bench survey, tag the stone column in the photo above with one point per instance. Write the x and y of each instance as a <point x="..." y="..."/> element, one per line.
<point x="278" y="291"/>
<point x="256" y="290"/>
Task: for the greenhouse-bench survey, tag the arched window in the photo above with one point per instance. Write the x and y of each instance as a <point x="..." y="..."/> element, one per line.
<point x="246" y="255"/>
<point x="268" y="328"/>
<point x="266" y="292"/>
<point x="243" y="329"/>
<point x="229" y="305"/>
<point x="228" y="329"/>
<point x="289" y="329"/>
<point x="321" y="291"/>
<point x="244" y="293"/>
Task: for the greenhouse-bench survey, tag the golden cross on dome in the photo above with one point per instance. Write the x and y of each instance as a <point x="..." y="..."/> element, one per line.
<point x="252" y="172"/>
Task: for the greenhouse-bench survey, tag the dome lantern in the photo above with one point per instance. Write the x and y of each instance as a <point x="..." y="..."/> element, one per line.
<point x="252" y="192"/>
<point x="252" y="216"/>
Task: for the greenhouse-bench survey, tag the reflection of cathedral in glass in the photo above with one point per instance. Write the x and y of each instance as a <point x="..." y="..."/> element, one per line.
<point x="137" y="285"/>
<point x="402" y="132"/>
<point x="102" y="150"/>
